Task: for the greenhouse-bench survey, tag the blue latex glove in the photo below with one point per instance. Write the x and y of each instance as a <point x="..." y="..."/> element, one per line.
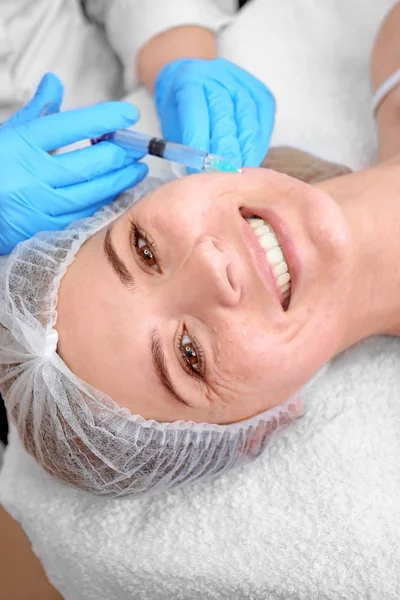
<point x="41" y="192"/>
<point x="215" y="106"/>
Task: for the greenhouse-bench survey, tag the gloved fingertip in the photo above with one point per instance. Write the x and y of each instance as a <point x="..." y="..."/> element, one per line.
<point x="52" y="82"/>
<point x="130" y="112"/>
<point x="142" y="169"/>
<point x="139" y="172"/>
<point x="51" y="77"/>
<point x="42" y="83"/>
<point x="50" y="109"/>
<point x="49" y="93"/>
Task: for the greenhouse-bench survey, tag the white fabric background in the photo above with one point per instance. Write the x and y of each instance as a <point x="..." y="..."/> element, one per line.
<point x="317" y="517"/>
<point x="94" y="56"/>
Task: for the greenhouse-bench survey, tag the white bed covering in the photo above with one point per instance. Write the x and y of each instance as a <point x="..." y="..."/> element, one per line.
<point x="317" y="517"/>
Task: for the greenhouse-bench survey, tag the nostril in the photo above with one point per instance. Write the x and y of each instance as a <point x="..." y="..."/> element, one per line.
<point x="230" y="277"/>
<point x="217" y="244"/>
<point x="223" y="267"/>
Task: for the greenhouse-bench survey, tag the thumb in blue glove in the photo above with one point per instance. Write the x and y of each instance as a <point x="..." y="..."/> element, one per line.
<point x="46" y="101"/>
<point x="40" y="192"/>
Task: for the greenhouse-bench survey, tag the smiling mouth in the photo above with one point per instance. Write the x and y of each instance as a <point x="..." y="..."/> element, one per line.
<point x="271" y="247"/>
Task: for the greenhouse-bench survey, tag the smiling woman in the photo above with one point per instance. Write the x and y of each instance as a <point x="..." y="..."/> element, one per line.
<point x="165" y="340"/>
<point x="176" y="301"/>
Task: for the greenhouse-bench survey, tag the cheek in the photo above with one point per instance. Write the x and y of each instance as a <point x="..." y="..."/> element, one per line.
<point x="272" y="363"/>
<point x="244" y="352"/>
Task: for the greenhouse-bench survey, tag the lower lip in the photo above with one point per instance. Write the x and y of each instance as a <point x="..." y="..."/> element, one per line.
<point x="288" y="248"/>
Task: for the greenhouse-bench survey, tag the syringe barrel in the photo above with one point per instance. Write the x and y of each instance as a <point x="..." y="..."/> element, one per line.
<point x="131" y="140"/>
<point x="191" y="157"/>
<point x="137" y="142"/>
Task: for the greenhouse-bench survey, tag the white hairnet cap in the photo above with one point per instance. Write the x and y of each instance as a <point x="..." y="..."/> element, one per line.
<point x="74" y="431"/>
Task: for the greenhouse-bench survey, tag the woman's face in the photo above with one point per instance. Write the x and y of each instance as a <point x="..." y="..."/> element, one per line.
<point x="174" y="310"/>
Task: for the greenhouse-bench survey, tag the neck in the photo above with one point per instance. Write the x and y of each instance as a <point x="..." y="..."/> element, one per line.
<point x="370" y="201"/>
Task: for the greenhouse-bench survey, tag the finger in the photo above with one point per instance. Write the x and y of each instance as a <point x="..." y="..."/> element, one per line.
<point x="193" y="116"/>
<point x="169" y="122"/>
<point x="164" y="95"/>
<point x="249" y="129"/>
<point x="247" y="80"/>
<point x="97" y="191"/>
<point x="264" y="103"/>
<point x="51" y="108"/>
<point x="87" y="163"/>
<point x="266" y="119"/>
<point x="223" y="125"/>
<point x="266" y="113"/>
<point x="57" y="223"/>
<point x="63" y="221"/>
<point x="50" y="91"/>
<point x="65" y="128"/>
<point x="47" y="99"/>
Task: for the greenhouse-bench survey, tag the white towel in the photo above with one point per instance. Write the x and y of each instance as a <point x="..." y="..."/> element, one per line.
<point x="317" y="516"/>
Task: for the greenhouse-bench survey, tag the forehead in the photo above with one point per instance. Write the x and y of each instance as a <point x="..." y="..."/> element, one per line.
<point x="193" y="186"/>
<point x="251" y="181"/>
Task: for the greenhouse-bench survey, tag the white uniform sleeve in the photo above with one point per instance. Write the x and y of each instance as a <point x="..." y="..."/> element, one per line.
<point x="129" y="24"/>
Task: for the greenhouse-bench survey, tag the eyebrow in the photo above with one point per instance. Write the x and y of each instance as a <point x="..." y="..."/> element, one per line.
<point x="123" y="273"/>
<point x="156" y="345"/>
<point x="160" y="365"/>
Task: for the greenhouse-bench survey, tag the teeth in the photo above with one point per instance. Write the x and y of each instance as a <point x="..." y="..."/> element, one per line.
<point x="269" y="242"/>
<point x="280" y="268"/>
<point x="262" y="231"/>
<point x="283" y="279"/>
<point x="257" y="223"/>
<point x="274" y="256"/>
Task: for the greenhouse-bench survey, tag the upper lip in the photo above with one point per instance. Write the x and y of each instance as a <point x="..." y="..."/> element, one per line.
<point x="285" y="242"/>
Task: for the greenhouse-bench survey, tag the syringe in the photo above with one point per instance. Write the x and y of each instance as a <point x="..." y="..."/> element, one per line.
<point x="142" y="143"/>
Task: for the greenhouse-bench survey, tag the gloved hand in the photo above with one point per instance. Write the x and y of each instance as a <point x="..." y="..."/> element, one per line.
<point x="215" y="106"/>
<point x="46" y="101"/>
<point x="41" y="192"/>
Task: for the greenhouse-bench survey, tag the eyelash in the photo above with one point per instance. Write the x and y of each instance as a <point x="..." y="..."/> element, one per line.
<point x="136" y="235"/>
<point x="189" y="368"/>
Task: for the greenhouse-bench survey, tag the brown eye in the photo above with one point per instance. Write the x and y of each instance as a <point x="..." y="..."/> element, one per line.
<point x="192" y="356"/>
<point x="146" y="253"/>
<point x="145" y="248"/>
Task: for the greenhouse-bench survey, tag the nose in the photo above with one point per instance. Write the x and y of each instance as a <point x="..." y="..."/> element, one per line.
<point x="210" y="276"/>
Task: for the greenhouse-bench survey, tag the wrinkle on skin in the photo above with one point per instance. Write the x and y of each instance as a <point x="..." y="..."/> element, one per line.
<point x="256" y="354"/>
